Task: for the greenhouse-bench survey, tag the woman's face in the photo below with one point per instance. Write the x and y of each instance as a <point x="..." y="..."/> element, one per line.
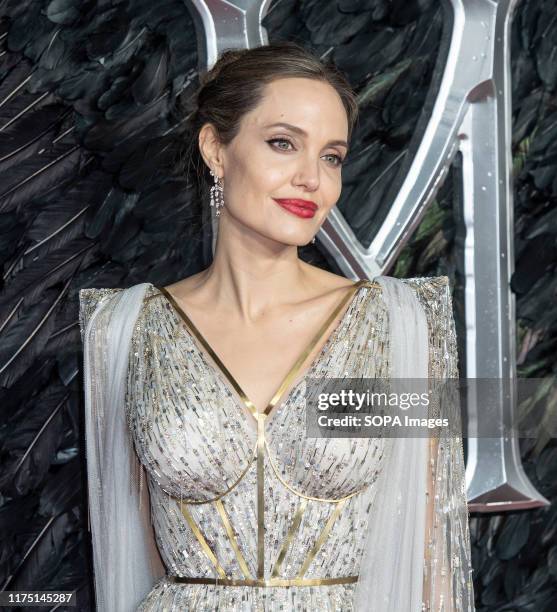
<point x="290" y="147"/>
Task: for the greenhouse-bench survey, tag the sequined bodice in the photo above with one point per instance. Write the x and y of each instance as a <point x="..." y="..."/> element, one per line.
<point x="199" y="445"/>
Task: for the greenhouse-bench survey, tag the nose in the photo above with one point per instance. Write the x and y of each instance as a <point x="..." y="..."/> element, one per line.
<point x="307" y="173"/>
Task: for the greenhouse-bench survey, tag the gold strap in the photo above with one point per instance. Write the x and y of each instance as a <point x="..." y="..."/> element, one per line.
<point x="271" y="582"/>
<point x="202" y="541"/>
<point x="260" y="496"/>
<point x="260" y="458"/>
<point x="289" y="537"/>
<point x="195" y="502"/>
<point x="321" y="538"/>
<point x="294" y="370"/>
<point x="232" y="538"/>
<point x="299" y="493"/>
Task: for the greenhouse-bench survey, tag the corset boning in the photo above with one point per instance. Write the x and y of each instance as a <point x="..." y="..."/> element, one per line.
<point x="242" y="496"/>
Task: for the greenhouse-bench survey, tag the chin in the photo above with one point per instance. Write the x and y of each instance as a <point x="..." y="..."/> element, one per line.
<point x="292" y="240"/>
<point x="287" y="236"/>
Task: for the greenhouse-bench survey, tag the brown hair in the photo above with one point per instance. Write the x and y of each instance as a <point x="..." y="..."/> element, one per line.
<point x="234" y="86"/>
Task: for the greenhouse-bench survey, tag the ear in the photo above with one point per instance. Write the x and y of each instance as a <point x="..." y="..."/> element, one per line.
<point x="211" y="149"/>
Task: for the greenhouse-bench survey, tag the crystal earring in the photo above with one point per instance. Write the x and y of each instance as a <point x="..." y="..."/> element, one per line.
<point x="217" y="194"/>
<point x="313" y="240"/>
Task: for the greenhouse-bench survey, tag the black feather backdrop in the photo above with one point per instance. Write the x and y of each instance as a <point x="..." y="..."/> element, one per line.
<point x="89" y="197"/>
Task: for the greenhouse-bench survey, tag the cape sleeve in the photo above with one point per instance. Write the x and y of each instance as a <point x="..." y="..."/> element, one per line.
<point x="126" y="560"/>
<point x="417" y="547"/>
<point x="447" y="576"/>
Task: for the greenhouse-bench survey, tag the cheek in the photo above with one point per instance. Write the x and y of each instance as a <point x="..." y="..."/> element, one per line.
<point x="332" y="188"/>
<point x="262" y="180"/>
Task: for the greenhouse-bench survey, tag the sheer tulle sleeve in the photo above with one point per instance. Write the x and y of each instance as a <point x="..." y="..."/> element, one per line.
<point x="447" y="576"/>
<point x="417" y="548"/>
<point x="391" y="571"/>
<point x="125" y="557"/>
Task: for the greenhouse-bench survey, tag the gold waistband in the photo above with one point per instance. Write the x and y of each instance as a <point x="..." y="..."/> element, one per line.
<point x="261" y="582"/>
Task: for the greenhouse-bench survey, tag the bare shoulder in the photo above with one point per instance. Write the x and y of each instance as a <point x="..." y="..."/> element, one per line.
<point x="185" y="289"/>
<point x="318" y="283"/>
<point x="325" y="282"/>
<point x="319" y="290"/>
<point x="187" y="285"/>
<point x="328" y="287"/>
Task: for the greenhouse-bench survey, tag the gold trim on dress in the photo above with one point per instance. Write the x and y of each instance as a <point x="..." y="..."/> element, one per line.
<point x="289" y="537"/>
<point x="260" y="496"/>
<point x="298" y="494"/>
<point x="261" y="445"/>
<point x="233" y="543"/>
<point x="294" y="370"/>
<point x="321" y="539"/>
<point x="271" y="582"/>
<point x="193" y="502"/>
<point x="202" y="541"/>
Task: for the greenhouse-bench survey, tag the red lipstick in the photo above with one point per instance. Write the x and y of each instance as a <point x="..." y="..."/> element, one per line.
<point x="301" y="208"/>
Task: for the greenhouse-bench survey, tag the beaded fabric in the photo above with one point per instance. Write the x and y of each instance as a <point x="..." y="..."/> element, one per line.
<point x="255" y="514"/>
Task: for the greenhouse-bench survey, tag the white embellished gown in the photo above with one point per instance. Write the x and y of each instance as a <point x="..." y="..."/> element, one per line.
<point x="245" y="511"/>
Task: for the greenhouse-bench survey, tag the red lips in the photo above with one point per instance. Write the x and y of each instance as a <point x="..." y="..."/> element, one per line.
<point x="301" y="208"/>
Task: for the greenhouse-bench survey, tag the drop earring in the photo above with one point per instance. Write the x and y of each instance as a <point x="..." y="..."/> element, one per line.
<point x="313" y="240"/>
<point x="217" y="194"/>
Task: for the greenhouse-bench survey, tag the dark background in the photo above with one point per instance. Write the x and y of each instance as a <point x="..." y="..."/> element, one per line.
<point x="88" y="198"/>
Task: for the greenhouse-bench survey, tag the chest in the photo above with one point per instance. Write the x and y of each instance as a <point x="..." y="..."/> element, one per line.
<point x="266" y="360"/>
<point x="190" y="427"/>
<point x="258" y="363"/>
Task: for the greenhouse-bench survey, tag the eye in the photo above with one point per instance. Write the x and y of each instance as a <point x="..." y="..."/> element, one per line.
<point x="279" y="140"/>
<point x="338" y="159"/>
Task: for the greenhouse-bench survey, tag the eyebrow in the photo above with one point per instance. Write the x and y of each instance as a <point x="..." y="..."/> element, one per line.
<point x="298" y="130"/>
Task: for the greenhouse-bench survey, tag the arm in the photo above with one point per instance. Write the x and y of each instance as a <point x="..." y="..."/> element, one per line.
<point x="447" y="577"/>
<point x="125" y="556"/>
<point x="399" y="570"/>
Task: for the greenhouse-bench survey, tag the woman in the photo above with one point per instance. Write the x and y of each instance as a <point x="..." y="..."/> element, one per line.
<point x="199" y="388"/>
